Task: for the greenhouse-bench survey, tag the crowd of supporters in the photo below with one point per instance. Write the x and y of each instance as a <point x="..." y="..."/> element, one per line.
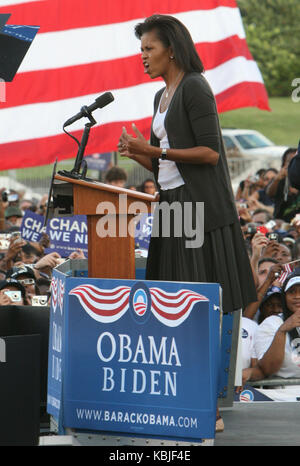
<point x="268" y="209"/>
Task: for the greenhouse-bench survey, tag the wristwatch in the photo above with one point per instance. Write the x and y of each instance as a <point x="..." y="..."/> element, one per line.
<point x="163" y="154"/>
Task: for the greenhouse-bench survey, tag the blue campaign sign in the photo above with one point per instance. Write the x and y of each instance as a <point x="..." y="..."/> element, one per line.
<point x="143" y="231"/>
<point x="67" y="234"/>
<point x="32" y="226"/>
<point x="56" y="345"/>
<point x="139" y="358"/>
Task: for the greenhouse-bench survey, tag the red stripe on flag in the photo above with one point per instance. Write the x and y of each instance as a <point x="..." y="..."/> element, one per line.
<point x="105" y="138"/>
<point x="80" y="13"/>
<point x="43" y="151"/>
<point x="42" y="86"/>
<point x="242" y="95"/>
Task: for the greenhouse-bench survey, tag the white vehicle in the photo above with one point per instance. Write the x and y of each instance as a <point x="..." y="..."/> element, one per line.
<point x="247" y="142"/>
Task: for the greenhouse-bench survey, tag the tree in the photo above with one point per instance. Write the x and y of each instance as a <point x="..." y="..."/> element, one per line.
<point x="273" y="36"/>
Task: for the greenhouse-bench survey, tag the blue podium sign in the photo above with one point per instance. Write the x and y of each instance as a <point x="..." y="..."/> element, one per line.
<point x="136" y="357"/>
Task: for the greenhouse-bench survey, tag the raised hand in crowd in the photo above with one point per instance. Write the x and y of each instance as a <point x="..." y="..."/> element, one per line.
<point x="78" y="254"/>
<point x="271" y="280"/>
<point x="244" y="213"/>
<point x="43" y="243"/>
<point x="5" y="300"/>
<point x="47" y="263"/>
<point x="258" y="243"/>
<point x="13" y="253"/>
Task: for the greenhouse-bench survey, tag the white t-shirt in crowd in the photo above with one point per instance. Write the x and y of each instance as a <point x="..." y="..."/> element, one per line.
<point x="168" y="174"/>
<point x="249" y="329"/>
<point x="264" y="337"/>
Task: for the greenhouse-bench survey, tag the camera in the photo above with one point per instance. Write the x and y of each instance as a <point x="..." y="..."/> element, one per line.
<point x="273" y="236"/>
<point x="4" y="241"/>
<point x="15" y="296"/>
<point x="41" y="300"/>
<point x="8" y="196"/>
<point x="16" y="236"/>
<point x="251" y="229"/>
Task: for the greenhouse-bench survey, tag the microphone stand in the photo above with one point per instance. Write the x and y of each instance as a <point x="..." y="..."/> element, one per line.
<point x="75" y="172"/>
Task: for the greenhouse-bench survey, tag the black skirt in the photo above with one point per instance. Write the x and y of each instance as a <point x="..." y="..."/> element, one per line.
<point x="222" y="258"/>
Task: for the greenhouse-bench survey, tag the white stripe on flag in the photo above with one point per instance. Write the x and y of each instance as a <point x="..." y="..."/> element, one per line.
<point x="87" y="45"/>
<point x="46" y="119"/>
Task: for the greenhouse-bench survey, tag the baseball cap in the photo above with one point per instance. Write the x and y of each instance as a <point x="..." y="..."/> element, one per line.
<point x="15" y="283"/>
<point x="16" y="272"/>
<point x="13" y="211"/>
<point x="273" y="290"/>
<point x="292" y="281"/>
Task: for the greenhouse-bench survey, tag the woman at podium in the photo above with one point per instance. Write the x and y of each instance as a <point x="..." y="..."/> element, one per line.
<point x="186" y="154"/>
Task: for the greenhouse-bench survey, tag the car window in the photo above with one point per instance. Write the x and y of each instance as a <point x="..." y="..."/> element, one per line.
<point x="252" y="141"/>
<point x="229" y="144"/>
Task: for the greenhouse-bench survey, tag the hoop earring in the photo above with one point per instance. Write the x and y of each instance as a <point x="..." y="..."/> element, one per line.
<point x="172" y="58"/>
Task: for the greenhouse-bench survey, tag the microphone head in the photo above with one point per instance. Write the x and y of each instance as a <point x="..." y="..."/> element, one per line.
<point x="104" y="99"/>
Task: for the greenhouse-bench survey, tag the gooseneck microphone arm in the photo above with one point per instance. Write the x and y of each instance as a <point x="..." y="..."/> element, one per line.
<point x="86" y="111"/>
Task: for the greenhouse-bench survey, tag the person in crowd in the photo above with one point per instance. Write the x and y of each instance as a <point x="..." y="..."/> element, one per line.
<point x="263" y="268"/>
<point x="277" y="338"/>
<point x="294" y="170"/>
<point x="116" y="176"/>
<point x="249" y="329"/>
<point x="262" y="200"/>
<point x="26" y="204"/>
<point x="26" y="276"/>
<point x="148" y="186"/>
<point x="12" y="293"/>
<point x="13" y="216"/>
<point x="286" y="198"/>
<point x="270" y="284"/>
<point x="42" y="205"/>
<point x="250" y="185"/>
<point x="279" y="251"/>
<point x="261" y="216"/>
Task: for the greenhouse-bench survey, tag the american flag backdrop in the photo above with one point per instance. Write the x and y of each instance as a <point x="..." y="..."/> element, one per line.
<point x="87" y="47"/>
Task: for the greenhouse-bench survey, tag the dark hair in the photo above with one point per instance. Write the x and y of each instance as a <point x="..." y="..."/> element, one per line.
<point x="267" y="259"/>
<point x="271" y="169"/>
<point x="172" y="33"/>
<point x="116" y="173"/>
<point x="290" y="150"/>
<point x="29" y="249"/>
<point x="147" y="180"/>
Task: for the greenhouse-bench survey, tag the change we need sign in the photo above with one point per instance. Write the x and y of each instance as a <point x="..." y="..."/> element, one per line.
<point x="66" y="234"/>
<point x="140" y="358"/>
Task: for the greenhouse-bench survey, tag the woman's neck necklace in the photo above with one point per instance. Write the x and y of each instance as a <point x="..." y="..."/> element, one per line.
<point x="168" y="91"/>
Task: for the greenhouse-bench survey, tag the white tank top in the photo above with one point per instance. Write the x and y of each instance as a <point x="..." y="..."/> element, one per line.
<point x="168" y="174"/>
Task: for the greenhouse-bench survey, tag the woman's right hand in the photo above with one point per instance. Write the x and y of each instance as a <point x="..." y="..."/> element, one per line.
<point x="292" y="322"/>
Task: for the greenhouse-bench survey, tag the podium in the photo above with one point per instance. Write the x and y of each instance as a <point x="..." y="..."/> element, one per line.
<point x="111" y="213"/>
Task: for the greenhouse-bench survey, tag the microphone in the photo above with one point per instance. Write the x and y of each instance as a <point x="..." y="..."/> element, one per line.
<point x="100" y="102"/>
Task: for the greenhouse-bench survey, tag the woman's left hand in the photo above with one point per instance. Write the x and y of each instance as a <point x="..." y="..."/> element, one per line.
<point x="130" y="146"/>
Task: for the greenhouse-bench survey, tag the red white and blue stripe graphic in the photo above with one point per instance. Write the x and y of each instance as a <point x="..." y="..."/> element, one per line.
<point x="108" y="306"/>
<point x="54" y="293"/>
<point x="84" y="49"/>
<point x="172" y="309"/>
<point x="105" y="306"/>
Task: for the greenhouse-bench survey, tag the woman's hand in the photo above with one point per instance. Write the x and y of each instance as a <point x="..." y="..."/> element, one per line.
<point x="292" y="322"/>
<point x="130" y="146"/>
